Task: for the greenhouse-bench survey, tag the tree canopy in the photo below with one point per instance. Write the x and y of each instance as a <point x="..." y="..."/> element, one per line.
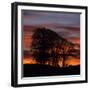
<point x="47" y="45"/>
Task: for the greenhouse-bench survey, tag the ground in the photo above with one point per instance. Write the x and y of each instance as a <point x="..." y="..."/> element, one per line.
<point x="32" y="70"/>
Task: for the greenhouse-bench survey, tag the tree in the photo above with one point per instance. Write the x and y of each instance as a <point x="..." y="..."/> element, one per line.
<point x="48" y="46"/>
<point x="44" y="42"/>
<point x="65" y="51"/>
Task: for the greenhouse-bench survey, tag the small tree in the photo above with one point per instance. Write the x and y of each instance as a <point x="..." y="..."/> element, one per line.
<point x="66" y="47"/>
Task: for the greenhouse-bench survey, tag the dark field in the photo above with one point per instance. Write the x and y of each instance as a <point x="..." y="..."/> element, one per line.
<point x="32" y="70"/>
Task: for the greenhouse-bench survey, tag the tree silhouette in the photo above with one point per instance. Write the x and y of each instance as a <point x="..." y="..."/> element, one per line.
<point x="48" y="46"/>
<point x="44" y="42"/>
<point x="65" y="50"/>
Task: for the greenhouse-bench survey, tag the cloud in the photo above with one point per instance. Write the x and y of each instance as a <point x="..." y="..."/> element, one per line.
<point x="41" y="17"/>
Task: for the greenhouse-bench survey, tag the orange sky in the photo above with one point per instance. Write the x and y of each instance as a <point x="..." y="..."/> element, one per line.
<point x="70" y="61"/>
<point x="75" y="40"/>
<point x="27" y="39"/>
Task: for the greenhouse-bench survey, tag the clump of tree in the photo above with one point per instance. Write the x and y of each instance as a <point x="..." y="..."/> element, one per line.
<point x="43" y="45"/>
<point x="48" y="46"/>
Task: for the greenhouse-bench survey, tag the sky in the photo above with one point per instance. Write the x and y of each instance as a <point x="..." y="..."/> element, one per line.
<point x="40" y="17"/>
<point x="65" y="24"/>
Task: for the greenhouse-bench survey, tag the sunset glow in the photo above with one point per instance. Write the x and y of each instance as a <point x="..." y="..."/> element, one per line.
<point x="29" y="61"/>
<point x="75" y="40"/>
<point x="67" y="25"/>
<point x="70" y="61"/>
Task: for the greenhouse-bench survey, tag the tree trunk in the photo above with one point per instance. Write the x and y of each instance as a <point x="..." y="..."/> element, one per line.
<point x="64" y="58"/>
